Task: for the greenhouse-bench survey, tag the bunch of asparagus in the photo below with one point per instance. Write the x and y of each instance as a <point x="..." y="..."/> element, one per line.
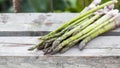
<point x="94" y="20"/>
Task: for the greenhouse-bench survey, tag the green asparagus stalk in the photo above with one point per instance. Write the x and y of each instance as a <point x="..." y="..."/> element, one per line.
<point x="86" y="30"/>
<point x="74" y="33"/>
<point x="72" y="27"/>
<point x="80" y="27"/>
<point x="86" y="35"/>
<point x="67" y="28"/>
<point x="70" y="45"/>
<point x="104" y="29"/>
<point x="42" y="45"/>
<point x="80" y="16"/>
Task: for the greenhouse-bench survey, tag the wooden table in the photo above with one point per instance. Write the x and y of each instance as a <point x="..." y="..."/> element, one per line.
<point x="20" y="31"/>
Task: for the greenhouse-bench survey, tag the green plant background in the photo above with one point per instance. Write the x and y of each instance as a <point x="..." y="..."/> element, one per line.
<point x="44" y="5"/>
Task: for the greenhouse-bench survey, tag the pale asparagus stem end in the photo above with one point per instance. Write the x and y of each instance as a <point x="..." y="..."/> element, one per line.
<point x="110" y="7"/>
<point x="113" y="12"/>
<point x="96" y="2"/>
<point x="117" y="21"/>
<point x="93" y="4"/>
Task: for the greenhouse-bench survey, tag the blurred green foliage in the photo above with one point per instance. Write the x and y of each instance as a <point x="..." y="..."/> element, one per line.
<point x="44" y="5"/>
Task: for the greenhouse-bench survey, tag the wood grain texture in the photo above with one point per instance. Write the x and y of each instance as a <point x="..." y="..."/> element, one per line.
<point x="101" y="46"/>
<point x="35" y="21"/>
<point x="36" y="24"/>
<point x="59" y="62"/>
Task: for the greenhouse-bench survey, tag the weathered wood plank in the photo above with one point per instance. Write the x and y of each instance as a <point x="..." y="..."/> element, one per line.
<point x="19" y="40"/>
<point x="101" y="46"/>
<point x="22" y="51"/>
<point x="98" y="43"/>
<point x="59" y="62"/>
<point x="34" y="21"/>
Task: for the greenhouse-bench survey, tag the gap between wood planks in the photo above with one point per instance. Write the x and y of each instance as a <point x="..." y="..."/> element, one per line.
<point x="41" y="33"/>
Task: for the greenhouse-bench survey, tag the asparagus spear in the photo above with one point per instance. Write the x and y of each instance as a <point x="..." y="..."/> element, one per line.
<point x="104" y="29"/>
<point x="67" y="28"/>
<point x="91" y="32"/>
<point x="80" y="27"/>
<point x="70" y="45"/>
<point x="42" y="45"/>
<point x="86" y="30"/>
<point x="34" y="47"/>
<point x="80" y="16"/>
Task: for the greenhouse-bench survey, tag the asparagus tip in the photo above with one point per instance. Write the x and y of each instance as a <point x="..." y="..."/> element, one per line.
<point x="82" y="45"/>
<point x="52" y="53"/>
<point x="31" y="49"/>
<point x="45" y="53"/>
